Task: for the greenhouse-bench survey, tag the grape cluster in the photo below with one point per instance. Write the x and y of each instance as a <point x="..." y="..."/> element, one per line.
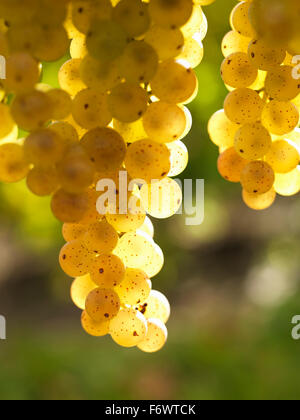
<point x="120" y="110"/>
<point x="257" y="131"/>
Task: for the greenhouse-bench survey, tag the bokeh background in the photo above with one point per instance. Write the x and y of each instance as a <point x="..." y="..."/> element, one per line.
<point x="233" y="282"/>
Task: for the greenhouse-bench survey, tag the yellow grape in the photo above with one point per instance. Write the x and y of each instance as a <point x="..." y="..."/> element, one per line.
<point x="78" y="46"/>
<point x="172" y="14"/>
<point x="221" y="130"/>
<point x="280" y="117"/>
<point x="240" y="19"/>
<point x="13" y="165"/>
<point x="102" y="304"/>
<point x="281" y="85"/>
<point x="147" y="160"/>
<point x="106" y="148"/>
<point x="179" y="157"/>
<point x="24" y="37"/>
<point x="156" y="306"/>
<point x="99" y="75"/>
<point x="131" y="132"/>
<point x="131" y="220"/>
<point x="69" y="77"/>
<point x="43" y="147"/>
<point x="172" y="45"/>
<point x="22" y="73"/>
<point x="65" y="131"/>
<point x="231" y="165"/>
<point x="128" y="328"/>
<point x="164" y="122"/>
<point x="89" y="109"/>
<point x="191" y="27"/>
<point x="85" y="11"/>
<point x="93" y="328"/>
<point x="259" y="202"/>
<point x="234" y="42"/>
<point x="288" y="184"/>
<point x="264" y="56"/>
<point x="127" y="102"/>
<point x="156" y="336"/>
<point x="91" y="215"/>
<point x="75" y="259"/>
<point x="243" y="106"/>
<point x="69" y="208"/>
<point x="61" y="103"/>
<point x="101" y="238"/>
<point x="80" y="289"/>
<point x="193" y="52"/>
<point x="257" y="177"/>
<point x="53" y="43"/>
<point x="6" y="122"/>
<point x="42" y="181"/>
<point x="107" y="271"/>
<point x="283" y="156"/>
<point x="134" y="288"/>
<point x="133" y="16"/>
<point x="174" y="83"/>
<point x="161" y="199"/>
<point x="73" y="231"/>
<point x="252" y="141"/>
<point x="147" y="227"/>
<point x="237" y="70"/>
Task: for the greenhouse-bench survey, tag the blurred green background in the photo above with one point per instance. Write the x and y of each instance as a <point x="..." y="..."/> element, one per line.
<point x="233" y="283"/>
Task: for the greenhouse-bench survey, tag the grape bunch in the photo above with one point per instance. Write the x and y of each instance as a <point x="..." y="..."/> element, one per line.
<point x="257" y="131"/>
<point x="119" y="115"/>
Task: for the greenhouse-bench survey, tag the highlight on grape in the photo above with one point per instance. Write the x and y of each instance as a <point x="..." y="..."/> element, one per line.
<point x="121" y="106"/>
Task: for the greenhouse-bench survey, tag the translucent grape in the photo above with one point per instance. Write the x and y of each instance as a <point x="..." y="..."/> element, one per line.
<point x="127" y="102"/>
<point x="61" y="103"/>
<point x="257" y="177"/>
<point x="101" y="238"/>
<point x="240" y="19"/>
<point x="221" y="130"/>
<point x="93" y="328"/>
<point x="6" y="122"/>
<point x="231" y="165"/>
<point x="22" y="73"/>
<point x="13" y="165"/>
<point x="99" y="75"/>
<point x="69" y="77"/>
<point x="288" y="184"/>
<point x="80" y="289"/>
<point x="237" y="70"/>
<point x="233" y="42"/>
<point x="193" y="52"/>
<point x="147" y="227"/>
<point x="128" y="328"/>
<point x="194" y="23"/>
<point x="78" y="47"/>
<point x="132" y="220"/>
<point x="171" y="13"/>
<point x="134" y="288"/>
<point x="179" y="157"/>
<point x="75" y="259"/>
<point x="85" y="11"/>
<point x="66" y="132"/>
<point x="131" y="132"/>
<point x="69" y="208"/>
<point x="156" y="306"/>
<point x="102" y="304"/>
<point x="52" y="44"/>
<point x="280" y="117"/>
<point x="259" y="202"/>
<point x="42" y="181"/>
<point x="43" y="147"/>
<point x="264" y="56"/>
<point x="243" y="106"/>
<point x="91" y="215"/>
<point x="173" y="41"/>
<point x="283" y="156"/>
<point x="148" y="160"/>
<point x="107" y="271"/>
<point x="252" y="141"/>
<point x="133" y="16"/>
<point x="281" y="85"/>
<point x="73" y="231"/>
<point x="156" y="336"/>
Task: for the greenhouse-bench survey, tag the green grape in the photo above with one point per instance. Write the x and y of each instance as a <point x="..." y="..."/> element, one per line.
<point x="172" y="45"/>
<point x="257" y="177"/>
<point x="283" y="156"/>
<point x="6" y="122"/>
<point x="243" y="106"/>
<point x="76" y="171"/>
<point x="259" y="202"/>
<point x="85" y="11"/>
<point x="131" y="220"/>
<point x="93" y="328"/>
<point x="13" y="165"/>
<point x="131" y="132"/>
<point x="233" y="42"/>
<point x="240" y="21"/>
<point x="281" y="85"/>
<point x="139" y="62"/>
<point x="237" y="70"/>
<point x="101" y="238"/>
<point x="69" y="208"/>
<point x="156" y="306"/>
<point x="138" y="250"/>
<point x="75" y="259"/>
<point x="102" y="304"/>
<point x="65" y="131"/>
<point x="22" y="73"/>
<point x="164" y="122"/>
<point x="31" y="110"/>
<point x="106" y="149"/>
<point x="69" y="77"/>
<point x="288" y="184"/>
<point x="148" y="227"/>
<point x="61" y="103"/>
<point x="132" y="16"/>
<point x="148" y="160"/>
<point x="127" y="102"/>
<point x="174" y="83"/>
<point x="73" y="231"/>
<point x="106" y="40"/>
<point x="99" y="75"/>
<point x="89" y="109"/>
<point x="108" y="271"/>
<point x="80" y="289"/>
<point x="134" y="288"/>
<point x="179" y="157"/>
<point x="171" y="13"/>
<point x="221" y="130"/>
<point x="264" y="56"/>
<point x="128" y="328"/>
<point x="42" y="181"/>
<point x="280" y="117"/>
<point x="231" y="165"/>
<point x="53" y="43"/>
<point x="43" y="147"/>
<point x="156" y="336"/>
<point x="252" y="141"/>
<point x="161" y="199"/>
